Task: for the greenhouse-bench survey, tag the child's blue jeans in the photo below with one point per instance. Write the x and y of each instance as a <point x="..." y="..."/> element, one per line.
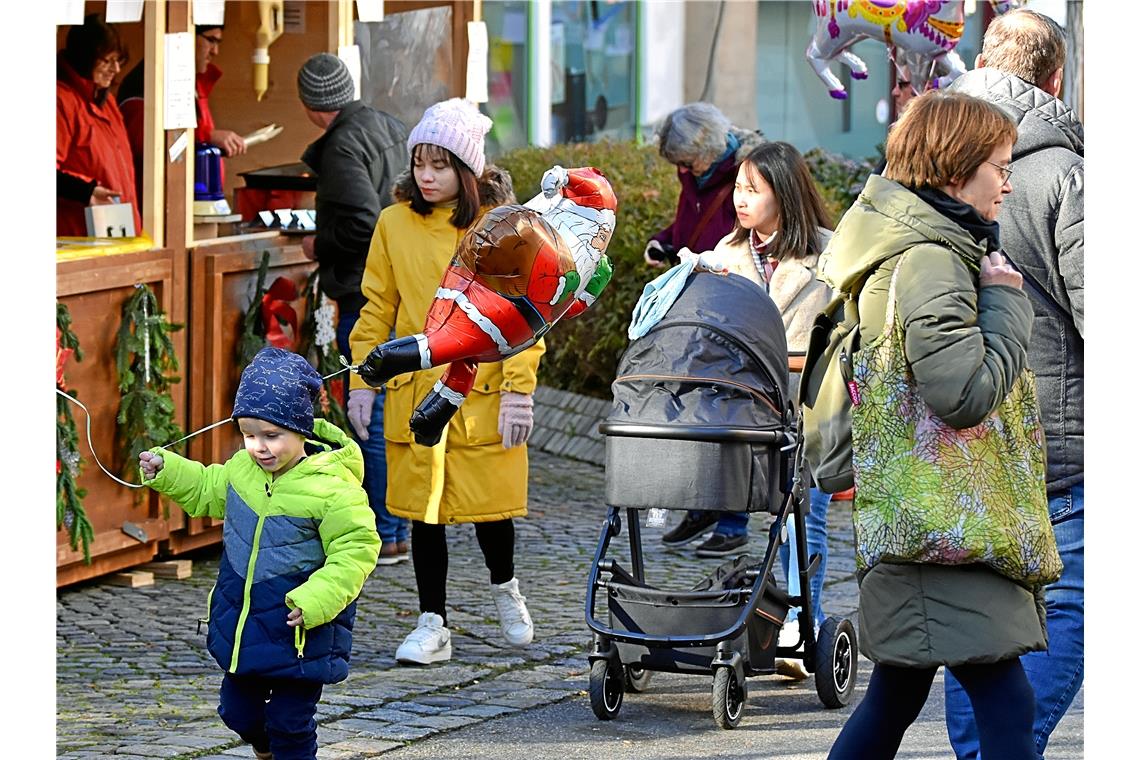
<point x="275" y="715"/>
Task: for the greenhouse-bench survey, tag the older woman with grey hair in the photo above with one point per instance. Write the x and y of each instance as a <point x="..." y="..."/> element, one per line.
<point x="707" y="150"/>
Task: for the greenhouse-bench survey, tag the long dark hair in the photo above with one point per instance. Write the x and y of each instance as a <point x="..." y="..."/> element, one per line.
<point x="801" y="208"/>
<point x="467" y="206"/>
<point x="88" y="42"/>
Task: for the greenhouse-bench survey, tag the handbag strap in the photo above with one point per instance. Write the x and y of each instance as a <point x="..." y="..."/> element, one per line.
<point x="717" y="202"/>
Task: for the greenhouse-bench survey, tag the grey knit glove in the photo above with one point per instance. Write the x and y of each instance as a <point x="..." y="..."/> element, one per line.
<point x="516" y="418"/>
<point x="360" y="401"/>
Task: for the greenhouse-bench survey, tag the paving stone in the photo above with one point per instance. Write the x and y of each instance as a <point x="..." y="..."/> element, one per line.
<point x="365" y="747"/>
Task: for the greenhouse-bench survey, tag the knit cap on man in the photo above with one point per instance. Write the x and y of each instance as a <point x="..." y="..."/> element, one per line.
<point x="325" y="84"/>
<point x="281" y="387"/>
<point x="456" y="125"/>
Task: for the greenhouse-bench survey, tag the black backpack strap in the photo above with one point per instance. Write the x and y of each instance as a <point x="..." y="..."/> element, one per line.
<point x="1036" y="287"/>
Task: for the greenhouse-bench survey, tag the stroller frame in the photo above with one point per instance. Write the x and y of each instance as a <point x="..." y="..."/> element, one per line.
<point x="745" y="646"/>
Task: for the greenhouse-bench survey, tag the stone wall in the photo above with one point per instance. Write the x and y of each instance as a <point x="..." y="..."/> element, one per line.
<point x="566" y="424"/>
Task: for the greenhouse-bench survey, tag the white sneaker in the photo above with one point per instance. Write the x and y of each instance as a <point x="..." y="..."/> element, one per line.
<point x="430" y="642"/>
<point x="514" y="618"/>
<point x="789" y="636"/>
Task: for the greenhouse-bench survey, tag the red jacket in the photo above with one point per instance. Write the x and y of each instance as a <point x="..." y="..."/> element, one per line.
<point x="91" y="145"/>
<point x="133" y="107"/>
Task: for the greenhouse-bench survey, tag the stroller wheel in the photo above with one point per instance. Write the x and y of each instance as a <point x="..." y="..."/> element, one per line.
<point x="836" y="662"/>
<point x="727" y="698"/>
<point x="607" y="687"/>
<point x="637" y="678"/>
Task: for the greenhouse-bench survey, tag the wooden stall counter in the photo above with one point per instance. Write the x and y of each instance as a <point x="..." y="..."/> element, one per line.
<point x="128" y="523"/>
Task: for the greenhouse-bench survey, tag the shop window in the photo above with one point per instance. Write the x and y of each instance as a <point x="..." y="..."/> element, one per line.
<point x="593" y="87"/>
<point x="507" y="27"/>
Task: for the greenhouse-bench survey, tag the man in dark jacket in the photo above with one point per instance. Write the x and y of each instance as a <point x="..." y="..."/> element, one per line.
<point x="1042" y="227"/>
<point x="356" y="162"/>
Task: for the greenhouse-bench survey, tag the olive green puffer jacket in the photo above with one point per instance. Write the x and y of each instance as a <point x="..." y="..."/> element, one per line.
<point x="965" y="346"/>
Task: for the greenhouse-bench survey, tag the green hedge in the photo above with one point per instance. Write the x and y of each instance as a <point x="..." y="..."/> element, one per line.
<point x="583" y="353"/>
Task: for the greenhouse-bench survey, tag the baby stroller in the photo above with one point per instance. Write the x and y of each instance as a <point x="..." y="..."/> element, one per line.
<point x="701" y="419"/>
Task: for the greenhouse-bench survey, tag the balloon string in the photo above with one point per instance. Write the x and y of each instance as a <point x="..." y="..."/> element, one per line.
<point x="346" y="366"/>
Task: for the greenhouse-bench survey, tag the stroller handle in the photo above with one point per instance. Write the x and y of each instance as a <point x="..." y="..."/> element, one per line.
<point x="710" y="433"/>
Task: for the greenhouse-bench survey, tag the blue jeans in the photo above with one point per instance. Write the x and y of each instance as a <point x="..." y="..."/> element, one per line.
<point x="272" y="714"/>
<point x="391" y="529"/>
<point x="1056" y="675"/>
<point x="815" y="522"/>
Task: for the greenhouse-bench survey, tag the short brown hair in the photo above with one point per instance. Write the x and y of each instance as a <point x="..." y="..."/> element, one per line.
<point x="944" y="136"/>
<point x="1025" y="43"/>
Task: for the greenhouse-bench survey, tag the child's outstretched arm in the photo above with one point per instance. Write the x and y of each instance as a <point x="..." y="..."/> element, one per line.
<point x="198" y="489"/>
<point x="352" y="546"/>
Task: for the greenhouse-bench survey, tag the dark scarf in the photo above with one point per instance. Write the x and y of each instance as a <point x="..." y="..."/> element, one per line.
<point x="962" y="214"/>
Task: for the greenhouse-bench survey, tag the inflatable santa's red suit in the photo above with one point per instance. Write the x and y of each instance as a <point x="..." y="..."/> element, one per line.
<point x="514" y="275"/>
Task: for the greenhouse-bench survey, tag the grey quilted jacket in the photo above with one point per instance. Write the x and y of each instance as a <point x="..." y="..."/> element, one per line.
<point x="1042" y="231"/>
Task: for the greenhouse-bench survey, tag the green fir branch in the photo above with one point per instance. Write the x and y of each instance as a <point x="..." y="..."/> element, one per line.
<point x="144" y="361"/>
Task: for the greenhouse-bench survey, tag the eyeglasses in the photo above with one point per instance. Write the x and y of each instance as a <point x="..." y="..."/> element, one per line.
<point x="214" y="41"/>
<point x="903" y="84"/>
<point x="1006" y="172"/>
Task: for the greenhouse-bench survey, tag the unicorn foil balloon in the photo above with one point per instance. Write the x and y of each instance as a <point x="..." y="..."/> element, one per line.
<point x="923" y="33"/>
<point x="517" y="272"/>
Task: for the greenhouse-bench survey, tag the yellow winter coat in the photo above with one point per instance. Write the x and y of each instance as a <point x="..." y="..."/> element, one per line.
<point x="468" y="476"/>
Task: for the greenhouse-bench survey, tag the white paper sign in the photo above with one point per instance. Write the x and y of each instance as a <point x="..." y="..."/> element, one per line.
<point x="124" y="11"/>
<point x="179" y="85"/>
<point x="209" y="12"/>
<point x="350" y="54"/>
<point x="369" y="10"/>
<point x="68" y="12"/>
<point x="477" y="61"/>
<point x="178" y="147"/>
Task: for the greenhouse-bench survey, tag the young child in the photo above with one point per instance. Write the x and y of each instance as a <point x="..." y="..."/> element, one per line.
<point x="299" y="540"/>
<point x="478" y="472"/>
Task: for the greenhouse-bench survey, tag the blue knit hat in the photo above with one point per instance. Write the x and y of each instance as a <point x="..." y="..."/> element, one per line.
<point x="281" y="387"/>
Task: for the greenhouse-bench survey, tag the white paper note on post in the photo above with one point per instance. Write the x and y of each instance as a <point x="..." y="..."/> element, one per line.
<point x="209" y="12"/>
<point x="124" y="11"/>
<point x="68" y="12"/>
<point x="369" y="10"/>
<point x="350" y="54"/>
<point x="179" y="112"/>
<point x="477" y="61"/>
<point x="178" y="147"/>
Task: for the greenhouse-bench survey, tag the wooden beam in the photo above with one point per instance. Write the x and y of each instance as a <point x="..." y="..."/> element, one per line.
<point x="154" y="157"/>
<point x="179" y="175"/>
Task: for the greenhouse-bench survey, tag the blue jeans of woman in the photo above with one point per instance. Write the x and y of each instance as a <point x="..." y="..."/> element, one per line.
<point x="815" y="523"/>
<point x="391" y="529"/>
<point x="1055" y="675"/>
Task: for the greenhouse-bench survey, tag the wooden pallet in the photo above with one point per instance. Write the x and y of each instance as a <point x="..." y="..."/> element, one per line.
<point x="132" y="579"/>
<point x="174" y="569"/>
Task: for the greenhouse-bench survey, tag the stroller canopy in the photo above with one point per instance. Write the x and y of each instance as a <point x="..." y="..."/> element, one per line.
<point x="718" y="357"/>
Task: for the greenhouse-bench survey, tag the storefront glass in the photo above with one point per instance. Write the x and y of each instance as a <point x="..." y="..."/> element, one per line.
<point x="594" y="86"/>
<point x="507" y="26"/>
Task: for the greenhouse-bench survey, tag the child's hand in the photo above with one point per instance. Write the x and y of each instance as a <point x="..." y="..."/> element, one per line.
<point x="150" y="464"/>
<point x="296" y="618"/>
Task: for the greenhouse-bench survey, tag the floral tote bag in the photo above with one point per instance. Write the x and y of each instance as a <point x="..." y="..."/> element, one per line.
<point x="927" y="493"/>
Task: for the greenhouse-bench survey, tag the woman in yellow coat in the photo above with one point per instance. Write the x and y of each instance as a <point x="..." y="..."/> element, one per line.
<point x="477" y="473"/>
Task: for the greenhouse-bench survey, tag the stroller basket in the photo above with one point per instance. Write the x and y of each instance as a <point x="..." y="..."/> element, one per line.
<point x="696" y="466"/>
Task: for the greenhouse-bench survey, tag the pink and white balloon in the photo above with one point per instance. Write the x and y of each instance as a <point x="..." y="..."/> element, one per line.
<point x="923" y="33"/>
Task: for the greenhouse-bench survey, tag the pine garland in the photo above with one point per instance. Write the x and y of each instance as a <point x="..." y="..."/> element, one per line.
<point x="144" y="355"/>
<point x="252" y="338"/>
<point x="69" y="510"/>
<point x="318" y="341"/>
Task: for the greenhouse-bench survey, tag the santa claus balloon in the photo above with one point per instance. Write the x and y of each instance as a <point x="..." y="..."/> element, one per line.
<point x="516" y="272"/>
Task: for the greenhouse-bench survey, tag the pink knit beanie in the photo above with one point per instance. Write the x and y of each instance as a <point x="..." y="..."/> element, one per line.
<point x="457" y="125"/>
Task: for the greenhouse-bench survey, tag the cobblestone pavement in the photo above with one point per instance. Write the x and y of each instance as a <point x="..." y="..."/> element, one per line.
<point x="134" y="679"/>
